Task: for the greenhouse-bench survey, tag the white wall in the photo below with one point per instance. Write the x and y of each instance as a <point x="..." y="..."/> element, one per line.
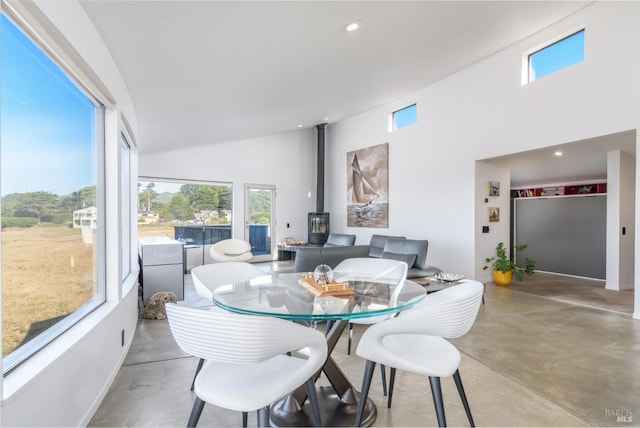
<point x="482" y="112"/>
<point x="486" y="172"/>
<point x="620" y="214"/>
<point x="63" y="384"/>
<point x="287" y="161"/>
<point x="627" y="220"/>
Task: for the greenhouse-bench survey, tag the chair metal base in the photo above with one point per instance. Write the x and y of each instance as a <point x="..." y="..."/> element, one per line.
<point x="335" y="412"/>
<point x="338" y="403"/>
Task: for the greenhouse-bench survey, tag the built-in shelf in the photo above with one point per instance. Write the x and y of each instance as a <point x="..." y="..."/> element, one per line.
<point x="563" y="190"/>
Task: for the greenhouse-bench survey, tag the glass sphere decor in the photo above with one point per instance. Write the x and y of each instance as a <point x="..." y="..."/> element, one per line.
<point x="323" y="274"/>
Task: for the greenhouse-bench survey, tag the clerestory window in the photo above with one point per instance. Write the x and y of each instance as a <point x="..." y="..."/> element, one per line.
<point x="404" y="117"/>
<point x="556" y="56"/>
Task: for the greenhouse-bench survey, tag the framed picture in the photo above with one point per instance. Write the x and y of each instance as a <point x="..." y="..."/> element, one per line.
<point x="368" y="187"/>
<point x="494" y="214"/>
<point x="494" y="188"/>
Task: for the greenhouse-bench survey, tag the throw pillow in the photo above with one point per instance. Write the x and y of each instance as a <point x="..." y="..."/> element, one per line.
<point x="409" y="259"/>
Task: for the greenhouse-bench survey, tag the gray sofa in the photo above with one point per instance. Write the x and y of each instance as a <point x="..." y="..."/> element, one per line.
<point x="340" y="239"/>
<point x="411" y="251"/>
<point x="308" y="258"/>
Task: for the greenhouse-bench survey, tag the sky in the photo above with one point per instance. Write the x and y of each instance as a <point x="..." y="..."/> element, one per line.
<point x="160" y="186"/>
<point x="405" y="117"/>
<point x="46" y="122"/>
<point x="560" y="55"/>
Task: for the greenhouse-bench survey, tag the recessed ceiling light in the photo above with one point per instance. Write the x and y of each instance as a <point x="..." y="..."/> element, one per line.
<point x="300" y="126"/>
<point x="558" y="153"/>
<point x="352" y="26"/>
<point x="326" y="118"/>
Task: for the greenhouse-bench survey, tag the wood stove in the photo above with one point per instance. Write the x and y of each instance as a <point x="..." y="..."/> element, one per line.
<point x="318" y="228"/>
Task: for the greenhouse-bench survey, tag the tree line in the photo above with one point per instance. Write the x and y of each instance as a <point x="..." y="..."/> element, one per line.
<point x="31" y="208"/>
<point x="194" y="199"/>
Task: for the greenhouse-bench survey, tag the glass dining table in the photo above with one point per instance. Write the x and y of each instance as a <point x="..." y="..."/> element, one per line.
<point x="286" y="296"/>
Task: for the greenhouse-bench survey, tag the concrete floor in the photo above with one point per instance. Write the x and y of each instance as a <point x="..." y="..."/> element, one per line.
<point x="549" y="351"/>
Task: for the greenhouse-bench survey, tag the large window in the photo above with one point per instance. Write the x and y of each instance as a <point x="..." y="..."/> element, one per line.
<point x="51" y="186"/>
<point x="200" y="212"/>
<point x="556" y="56"/>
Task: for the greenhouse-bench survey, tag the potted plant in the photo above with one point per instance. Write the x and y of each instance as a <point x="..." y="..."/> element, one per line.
<point x="504" y="268"/>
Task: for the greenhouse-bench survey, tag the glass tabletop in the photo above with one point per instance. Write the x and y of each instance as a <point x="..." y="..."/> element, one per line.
<point x="285" y="297"/>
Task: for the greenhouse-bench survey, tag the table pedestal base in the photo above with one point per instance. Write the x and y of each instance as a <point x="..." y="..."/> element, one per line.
<point x="335" y="412"/>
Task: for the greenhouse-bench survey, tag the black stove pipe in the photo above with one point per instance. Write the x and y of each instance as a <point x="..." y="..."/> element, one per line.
<point x="320" y="173"/>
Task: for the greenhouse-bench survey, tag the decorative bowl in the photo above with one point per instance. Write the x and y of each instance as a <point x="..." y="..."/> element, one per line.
<point x="448" y="277"/>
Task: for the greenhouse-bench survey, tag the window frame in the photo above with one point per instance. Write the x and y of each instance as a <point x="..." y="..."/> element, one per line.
<point x="129" y="211"/>
<point x="125" y="211"/>
<point x="78" y="74"/>
<point x="230" y="185"/>
<point x="526" y="57"/>
<point x="393" y="123"/>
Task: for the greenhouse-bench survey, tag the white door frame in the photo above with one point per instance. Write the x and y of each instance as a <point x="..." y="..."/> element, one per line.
<point x="272" y="225"/>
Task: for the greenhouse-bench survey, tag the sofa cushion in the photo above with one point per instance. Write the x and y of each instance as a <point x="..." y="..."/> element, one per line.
<point x="409" y="246"/>
<point x="340" y="239"/>
<point x="308" y="258"/>
<point x="409" y="259"/>
<point x="377" y="243"/>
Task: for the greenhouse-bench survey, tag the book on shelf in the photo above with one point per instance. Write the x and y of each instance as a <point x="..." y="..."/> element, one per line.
<point x="578" y="189"/>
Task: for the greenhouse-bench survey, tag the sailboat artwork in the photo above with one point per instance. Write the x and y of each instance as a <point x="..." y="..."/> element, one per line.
<point x="363" y="192"/>
<point x="367" y="187"/>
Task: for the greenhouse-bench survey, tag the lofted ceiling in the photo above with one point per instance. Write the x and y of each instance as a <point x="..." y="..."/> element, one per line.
<point x="203" y="72"/>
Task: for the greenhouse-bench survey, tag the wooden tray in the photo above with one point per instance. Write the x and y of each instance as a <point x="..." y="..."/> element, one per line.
<point x="422" y="281"/>
<point x="332" y="289"/>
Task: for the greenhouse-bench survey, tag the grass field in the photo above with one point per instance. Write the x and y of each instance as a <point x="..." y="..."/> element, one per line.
<point x="156" y="230"/>
<point x="47" y="273"/>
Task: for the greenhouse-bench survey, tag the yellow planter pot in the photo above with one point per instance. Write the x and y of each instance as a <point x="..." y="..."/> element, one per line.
<point x="502" y="278"/>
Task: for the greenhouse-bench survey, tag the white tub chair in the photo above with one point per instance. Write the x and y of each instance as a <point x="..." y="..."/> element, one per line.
<point x="231" y="250"/>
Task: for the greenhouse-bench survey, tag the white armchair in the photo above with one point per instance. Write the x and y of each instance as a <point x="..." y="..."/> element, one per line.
<point x="371" y="268"/>
<point x="249" y="362"/>
<point x="231" y="250"/>
<point x="415" y="341"/>
<point x="209" y="277"/>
